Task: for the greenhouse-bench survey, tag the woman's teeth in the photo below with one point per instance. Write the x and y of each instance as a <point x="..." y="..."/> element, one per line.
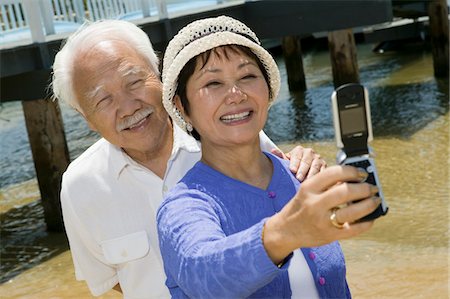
<point x="235" y="117"/>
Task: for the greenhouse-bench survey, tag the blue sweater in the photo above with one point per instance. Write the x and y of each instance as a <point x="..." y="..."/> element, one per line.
<point x="210" y="228"/>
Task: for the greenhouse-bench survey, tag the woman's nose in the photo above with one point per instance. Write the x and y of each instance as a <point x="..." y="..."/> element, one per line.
<point x="236" y="95"/>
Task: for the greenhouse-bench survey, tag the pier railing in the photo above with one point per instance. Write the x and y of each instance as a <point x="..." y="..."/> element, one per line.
<point x="33" y="20"/>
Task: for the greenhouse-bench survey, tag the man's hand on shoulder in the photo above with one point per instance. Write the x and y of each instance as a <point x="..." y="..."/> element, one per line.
<point x="304" y="162"/>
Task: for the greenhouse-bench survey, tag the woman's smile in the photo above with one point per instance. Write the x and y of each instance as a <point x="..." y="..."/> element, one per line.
<point x="237" y="118"/>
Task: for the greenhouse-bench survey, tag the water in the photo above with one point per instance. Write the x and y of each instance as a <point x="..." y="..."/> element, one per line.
<point x="405" y="255"/>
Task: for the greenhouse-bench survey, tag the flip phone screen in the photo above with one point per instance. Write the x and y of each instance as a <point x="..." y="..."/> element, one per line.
<point x="353" y="121"/>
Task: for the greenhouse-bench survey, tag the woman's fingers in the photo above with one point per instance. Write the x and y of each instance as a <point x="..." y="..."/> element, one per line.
<point x="357" y="210"/>
<point x="323" y="203"/>
<point x="344" y="193"/>
<point x="352" y="230"/>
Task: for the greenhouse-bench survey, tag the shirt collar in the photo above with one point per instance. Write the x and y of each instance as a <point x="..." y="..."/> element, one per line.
<point x="183" y="141"/>
<point x="118" y="159"/>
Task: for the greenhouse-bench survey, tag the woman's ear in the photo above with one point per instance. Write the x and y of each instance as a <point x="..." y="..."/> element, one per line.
<point x="179" y="105"/>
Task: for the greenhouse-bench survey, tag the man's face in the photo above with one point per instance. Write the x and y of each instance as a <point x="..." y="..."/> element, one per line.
<point x="120" y="97"/>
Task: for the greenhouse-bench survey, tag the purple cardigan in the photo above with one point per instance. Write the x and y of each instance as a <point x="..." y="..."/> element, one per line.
<point x="210" y="238"/>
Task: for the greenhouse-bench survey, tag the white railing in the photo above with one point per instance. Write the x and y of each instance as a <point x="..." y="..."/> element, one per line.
<point x="36" y="19"/>
<point x="12" y="15"/>
<point x="39" y="18"/>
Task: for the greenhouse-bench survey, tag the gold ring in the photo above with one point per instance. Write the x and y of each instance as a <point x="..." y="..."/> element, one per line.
<point x="334" y="220"/>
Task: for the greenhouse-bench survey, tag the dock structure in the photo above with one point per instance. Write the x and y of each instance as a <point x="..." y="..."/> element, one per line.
<point x="25" y="64"/>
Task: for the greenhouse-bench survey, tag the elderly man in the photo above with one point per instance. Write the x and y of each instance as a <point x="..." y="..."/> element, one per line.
<point x="108" y="72"/>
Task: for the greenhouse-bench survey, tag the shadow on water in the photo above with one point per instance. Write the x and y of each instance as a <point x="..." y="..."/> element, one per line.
<point x="25" y="242"/>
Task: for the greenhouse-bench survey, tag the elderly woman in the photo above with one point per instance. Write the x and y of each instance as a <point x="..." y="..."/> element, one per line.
<point x="238" y="224"/>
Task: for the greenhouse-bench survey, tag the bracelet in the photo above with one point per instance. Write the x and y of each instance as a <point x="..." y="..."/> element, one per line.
<point x="286" y="259"/>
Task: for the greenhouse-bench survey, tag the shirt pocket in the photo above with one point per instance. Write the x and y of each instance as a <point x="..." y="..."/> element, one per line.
<point x="126" y="248"/>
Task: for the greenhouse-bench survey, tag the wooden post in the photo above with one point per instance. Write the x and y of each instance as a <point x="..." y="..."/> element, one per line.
<point x="438" y="13"/>
<point x="344" y="62"/>
<point x="292" y="53"/>
<point x="50" y="155"/>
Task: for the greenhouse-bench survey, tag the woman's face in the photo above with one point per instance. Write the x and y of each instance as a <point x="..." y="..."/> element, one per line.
<point x="228" y="98"/>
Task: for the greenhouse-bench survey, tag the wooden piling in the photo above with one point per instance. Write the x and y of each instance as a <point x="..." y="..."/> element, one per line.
<point x="50" y="155"/>
<point x="439" y="35"/>
<point x="292" y="53"/>
<point x="344" y="64"/>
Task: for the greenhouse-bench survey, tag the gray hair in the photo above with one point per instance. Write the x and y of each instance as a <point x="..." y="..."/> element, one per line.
<point x="85" y="37"/>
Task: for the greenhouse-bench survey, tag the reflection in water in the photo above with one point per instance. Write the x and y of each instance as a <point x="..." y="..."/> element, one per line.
<point x="404" y="256"/>
<point x="25" y="241"/>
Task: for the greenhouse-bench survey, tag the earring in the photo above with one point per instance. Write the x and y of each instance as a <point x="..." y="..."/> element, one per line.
<point x="189" y="127"/>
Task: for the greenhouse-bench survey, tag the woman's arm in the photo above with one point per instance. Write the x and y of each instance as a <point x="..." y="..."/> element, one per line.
<point x="202" y="260"/>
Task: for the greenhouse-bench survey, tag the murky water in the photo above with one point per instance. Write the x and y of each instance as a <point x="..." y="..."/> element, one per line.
<point x="405" y="255"/>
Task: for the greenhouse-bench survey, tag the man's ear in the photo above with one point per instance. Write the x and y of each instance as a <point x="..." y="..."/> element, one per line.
<point x="179" y="105"/>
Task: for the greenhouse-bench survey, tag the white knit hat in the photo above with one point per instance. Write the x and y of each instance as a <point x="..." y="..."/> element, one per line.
<point x="201" y="36"/>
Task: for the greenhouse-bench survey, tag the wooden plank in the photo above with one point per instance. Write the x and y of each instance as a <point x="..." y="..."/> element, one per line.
<point x="439" y="27"/>
<point x="25" y="87"/>
<point x="344" y="62"/>
<point x="50" y="155"/>
<point x="292" y="53"/>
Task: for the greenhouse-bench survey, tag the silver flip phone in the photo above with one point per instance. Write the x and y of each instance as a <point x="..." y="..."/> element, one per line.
<point x="353" y="131"/>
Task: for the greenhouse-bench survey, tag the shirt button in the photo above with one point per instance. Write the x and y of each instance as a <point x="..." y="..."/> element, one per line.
<point x="124" y="253"/>
<point x="312" y="255"/>
<point x="165" y="188"/>
<point x="322" y="281"/>
<point x="272" y="194"/>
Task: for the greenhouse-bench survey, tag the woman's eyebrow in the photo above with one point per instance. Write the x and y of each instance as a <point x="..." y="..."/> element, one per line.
<point x="245" y="63"/>
<point x="216" y="70"/>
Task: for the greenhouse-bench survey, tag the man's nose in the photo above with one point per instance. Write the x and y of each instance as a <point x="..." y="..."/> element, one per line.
<point x="236" y="95"/>
<point x="128" y="104"/>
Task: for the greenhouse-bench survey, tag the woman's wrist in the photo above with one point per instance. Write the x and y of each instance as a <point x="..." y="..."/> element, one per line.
<point x="274" y="243"/>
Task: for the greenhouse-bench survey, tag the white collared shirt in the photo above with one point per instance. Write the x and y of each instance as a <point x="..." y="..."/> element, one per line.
<point x="109" y="205"/>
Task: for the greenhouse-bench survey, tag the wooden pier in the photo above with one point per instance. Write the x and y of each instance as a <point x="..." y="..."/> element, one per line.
<point x="26" y="68"/>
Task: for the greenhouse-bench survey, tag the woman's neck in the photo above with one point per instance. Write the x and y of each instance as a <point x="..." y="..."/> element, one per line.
<point x="246" y="163"/>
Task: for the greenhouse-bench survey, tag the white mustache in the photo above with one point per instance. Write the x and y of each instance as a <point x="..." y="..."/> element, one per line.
<point x="132" y="120"/>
